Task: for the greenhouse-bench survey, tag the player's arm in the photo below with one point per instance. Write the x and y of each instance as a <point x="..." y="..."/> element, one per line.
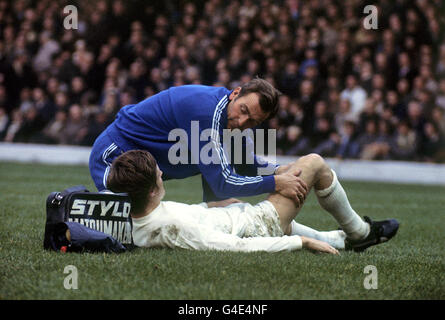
<point x="198" y="237"/>
<point x="195" y="237"/>
<point x="185" y="235"/>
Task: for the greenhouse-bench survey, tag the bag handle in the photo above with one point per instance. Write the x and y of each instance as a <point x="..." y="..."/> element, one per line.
<point x="60" y="195"/>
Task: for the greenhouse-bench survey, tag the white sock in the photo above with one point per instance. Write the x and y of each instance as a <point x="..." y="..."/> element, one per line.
<point x="335" y="238"/>
<point x="334" y="200"/>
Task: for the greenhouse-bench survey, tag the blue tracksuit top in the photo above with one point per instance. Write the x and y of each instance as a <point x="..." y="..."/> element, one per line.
<point x="147" y="125"/>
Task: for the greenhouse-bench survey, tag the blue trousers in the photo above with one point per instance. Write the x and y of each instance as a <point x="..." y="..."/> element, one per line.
<point x="102" y="155"/>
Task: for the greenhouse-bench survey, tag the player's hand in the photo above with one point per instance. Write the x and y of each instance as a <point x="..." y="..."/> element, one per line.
<point x="291" y="186"/>
<point x="222" y="203"/>
<point x="318" y="246"/>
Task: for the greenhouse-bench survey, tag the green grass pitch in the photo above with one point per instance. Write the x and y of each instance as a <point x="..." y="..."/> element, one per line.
<point x="411" y="266"/>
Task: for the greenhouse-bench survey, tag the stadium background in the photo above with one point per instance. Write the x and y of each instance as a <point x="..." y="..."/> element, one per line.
<point x="348" y="92"/>
<point x="62" y="87"/>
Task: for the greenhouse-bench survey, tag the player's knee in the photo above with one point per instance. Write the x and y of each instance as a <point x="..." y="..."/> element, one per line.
<point x="312" y="160"/>
<point x="317" y="165"/>
<point x="313" y="163"/>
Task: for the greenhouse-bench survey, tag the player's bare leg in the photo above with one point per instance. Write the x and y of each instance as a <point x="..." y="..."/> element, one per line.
<point x="316" y="173"/>
<point x="286" y="208"/>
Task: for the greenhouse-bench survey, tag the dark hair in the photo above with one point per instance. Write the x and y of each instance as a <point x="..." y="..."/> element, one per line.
<point x="134" y="172"/>
<point x="268" y="95"/>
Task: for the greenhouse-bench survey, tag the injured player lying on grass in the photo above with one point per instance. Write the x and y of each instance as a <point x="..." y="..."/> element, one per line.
<point x="232" y="225"/>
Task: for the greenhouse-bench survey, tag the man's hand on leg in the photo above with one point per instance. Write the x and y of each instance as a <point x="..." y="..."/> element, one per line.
<point x="291" y="186"/>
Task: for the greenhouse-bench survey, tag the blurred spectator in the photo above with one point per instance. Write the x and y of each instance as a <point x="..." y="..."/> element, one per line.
<point x="52" y="133"/>
<point x="432" y="143"/>
<point x="3" y="98"/>
<point x="416" y="118"/>
<point x="96" y="125"/>
<point x="30" y="128"/>
<point x="375" y="146"/>
<point x="329" y="146"/>
<point x="294" y="143"/>
<point x="208" y="66"/>
<point x="397" y="108"/>
<point x="322" y="131"/>
<point x="403" y="90"/>
<point x="355" y="94"/>
<point x="438" y="118"/>
<point x="406" y="71"/>
<point x="14" y="126"/>
<point x="136" y="79"/>
<point x="76" y="90"/>
<point x="295" y="114"/>
<point x="43" y="105"/>
<point x="48" y="47"/>
<point x="75" y="128"/>
<point x="348" y="146"/>
<point x="4" y="123"/>
<point x="440" y="99"/>
<point x="404" y="143"/>
<point x="307" y="98"/>
<point x="323" y="125"/>
<point x="61" y="101"/>
<point x="26" y="101"/>
<point x="369" y="113"/>
<point x="380" y="148"/>
<point x="290" y="79"/>
<point x="367" y="139"/>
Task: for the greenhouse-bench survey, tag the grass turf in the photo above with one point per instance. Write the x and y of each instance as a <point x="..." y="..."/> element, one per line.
<point x="411" y="266"/>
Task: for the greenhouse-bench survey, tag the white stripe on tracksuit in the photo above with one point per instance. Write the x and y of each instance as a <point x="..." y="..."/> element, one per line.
<point x="229" y="177"/>
<point x="105" y="155"/>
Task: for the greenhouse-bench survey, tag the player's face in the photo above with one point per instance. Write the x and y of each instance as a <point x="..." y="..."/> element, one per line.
<point x="244" y="112"/>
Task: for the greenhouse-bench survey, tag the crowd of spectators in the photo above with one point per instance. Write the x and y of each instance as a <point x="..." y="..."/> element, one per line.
<point x="347" y="91"/>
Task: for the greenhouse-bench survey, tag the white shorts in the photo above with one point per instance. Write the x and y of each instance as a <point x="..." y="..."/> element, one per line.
<point x="260" y="220"/>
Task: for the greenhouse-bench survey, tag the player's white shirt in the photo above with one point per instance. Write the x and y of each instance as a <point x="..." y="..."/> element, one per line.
<point x="238" y="227"/>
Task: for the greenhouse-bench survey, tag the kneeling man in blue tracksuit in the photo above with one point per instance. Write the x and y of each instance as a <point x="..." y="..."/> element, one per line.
<point x="199" y="116"/>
